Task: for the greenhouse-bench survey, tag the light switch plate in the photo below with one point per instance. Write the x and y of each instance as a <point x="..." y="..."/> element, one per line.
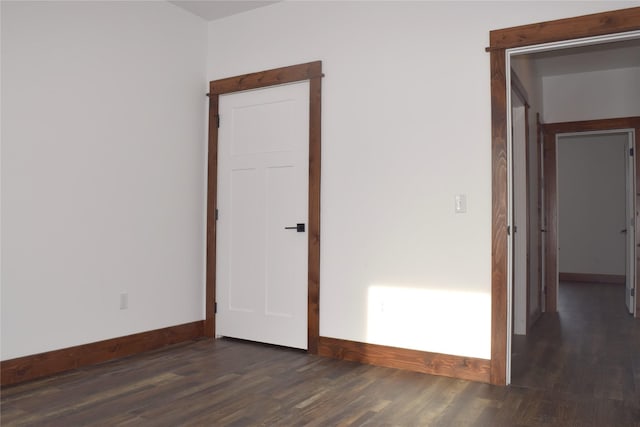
<point x="461" y="203"/>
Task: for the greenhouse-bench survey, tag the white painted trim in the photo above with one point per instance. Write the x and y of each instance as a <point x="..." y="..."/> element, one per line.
<point x="587" y="41"/>
<point x="509" y="218"/>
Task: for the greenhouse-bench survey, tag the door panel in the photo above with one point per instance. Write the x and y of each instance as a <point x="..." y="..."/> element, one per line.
<point x="550" y="133"/>
<point x="244" y="227"/>
<point x="551" y="223"/>
<point x="520" y="206"/>
<point x="286" y="262"/>
<point x="263" y="172"/>
<point x="631" y="221"/>
<point x="543" y="224"/>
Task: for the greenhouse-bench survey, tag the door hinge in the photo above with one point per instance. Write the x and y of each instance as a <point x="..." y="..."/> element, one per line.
<point x="631" y="151"/>
<point x="215" y="307"/>
<point x="508" y="230"/>
<point x="217" y="214"/>
<point x="633" y="292"/>
<point x="218" y="120"/>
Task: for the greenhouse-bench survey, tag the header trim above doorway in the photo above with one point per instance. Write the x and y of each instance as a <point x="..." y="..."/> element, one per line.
<point x="277" y="76"/>
<point x="597" y="24"/>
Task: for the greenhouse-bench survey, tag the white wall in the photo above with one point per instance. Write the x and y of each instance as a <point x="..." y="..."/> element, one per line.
<point x="591" y="209"/>
<point x="103" y="149"/>
<point x="524" y="66"/>
<point x="592" y="95"/>
<point x="406" y="127"/>
<point x="103" y="163"/>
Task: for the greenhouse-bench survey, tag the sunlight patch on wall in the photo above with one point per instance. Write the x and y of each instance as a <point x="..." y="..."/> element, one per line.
<point x="435" y="320"/>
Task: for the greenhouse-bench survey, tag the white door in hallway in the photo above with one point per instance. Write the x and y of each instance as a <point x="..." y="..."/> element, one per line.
<point x="263" y="176"/>
<point x="631" y="222"/>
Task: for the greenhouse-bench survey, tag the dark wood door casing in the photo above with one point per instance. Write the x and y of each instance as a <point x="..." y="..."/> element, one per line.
<point x="598" y="24"/>
<point x="311" y="71"/>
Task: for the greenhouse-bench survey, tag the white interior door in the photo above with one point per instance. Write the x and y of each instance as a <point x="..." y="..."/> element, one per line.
<point x="263" y="173"/>
<point x="518" y="123"/>
<point x="631" y="221"/>
<point x="543" y="228"/>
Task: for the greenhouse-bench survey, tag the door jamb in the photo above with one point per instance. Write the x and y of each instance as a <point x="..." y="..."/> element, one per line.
<point x="540" y="224"/>
<point x="598" y="24"/>
<point x="311" y="71"/>
<point x="520" y="91"/>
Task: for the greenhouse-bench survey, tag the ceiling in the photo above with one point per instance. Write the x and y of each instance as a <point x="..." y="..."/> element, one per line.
<point x="211" y="10"/>
<point x="605" y="56"/>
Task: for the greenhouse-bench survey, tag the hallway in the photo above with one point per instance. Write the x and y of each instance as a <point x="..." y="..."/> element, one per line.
<point x="589" y="350"/>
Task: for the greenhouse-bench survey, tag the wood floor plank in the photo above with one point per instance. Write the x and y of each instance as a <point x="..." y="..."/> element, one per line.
<point x="580" y="367"/>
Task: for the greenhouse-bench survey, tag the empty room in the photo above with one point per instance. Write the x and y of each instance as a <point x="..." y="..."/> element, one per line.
<point x="317" y="213"/>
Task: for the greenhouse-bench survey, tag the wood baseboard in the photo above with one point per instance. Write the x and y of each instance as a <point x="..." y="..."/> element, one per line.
<point x="467" y="368"/>
<point x="40" y="365"/>
<point x="613" y="279"/>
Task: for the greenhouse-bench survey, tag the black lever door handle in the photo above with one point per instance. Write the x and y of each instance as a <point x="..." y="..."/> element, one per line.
<point x="299" y="228"/>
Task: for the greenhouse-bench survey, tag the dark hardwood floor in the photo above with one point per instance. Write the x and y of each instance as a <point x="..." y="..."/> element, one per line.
<point x="587" y="354"/>
<point x="583" y="370"/>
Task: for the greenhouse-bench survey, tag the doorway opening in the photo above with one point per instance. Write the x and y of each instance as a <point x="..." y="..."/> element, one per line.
<point x="529" y="227"/>
<point x="562" y="34"/>
<point x="521" y="206"/>
<point x="596" y="208"/>
<point x="592" y="197"/>
<point x="311" y="72"/>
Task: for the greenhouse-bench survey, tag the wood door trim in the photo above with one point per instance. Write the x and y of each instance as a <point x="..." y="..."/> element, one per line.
<point x="311" y="71"/>
<point x="498" y="218"/>
<point x="551" y="130"/>
<point x="592" y="125"/>
<point x="617" y="21"/>
<point x="597" y="24"/>
<point x="466" y="368"/>
<point x="609" y="279"/>
<point x="262" y="79"/>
